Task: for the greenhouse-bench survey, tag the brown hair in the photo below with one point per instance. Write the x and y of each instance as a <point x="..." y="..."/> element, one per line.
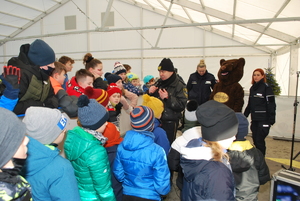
<point x="201" y="64"/>
<point x="59" y="67"/>
<point x="83" y="73"/>
<point x="90" y="62"/>
<point x="217" y="150"/>
<point x="64" y="60"/>
<point x="127" y="67"/>
<point x="262" y="72"/>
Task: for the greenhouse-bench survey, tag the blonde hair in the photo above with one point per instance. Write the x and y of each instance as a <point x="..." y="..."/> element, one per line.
<point x="201" y="64"/>
<point x="217" y="150"/>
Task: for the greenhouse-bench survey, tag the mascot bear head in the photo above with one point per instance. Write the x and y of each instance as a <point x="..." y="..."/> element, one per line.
<point x="231" y="71"/>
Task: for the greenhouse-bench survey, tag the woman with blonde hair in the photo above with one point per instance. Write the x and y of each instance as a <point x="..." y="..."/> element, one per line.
<point x="207" y="172"/>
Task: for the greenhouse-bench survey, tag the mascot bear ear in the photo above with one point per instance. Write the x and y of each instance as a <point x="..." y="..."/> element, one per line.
<point x="241" y="62"/>
<point x="221" y="61"/>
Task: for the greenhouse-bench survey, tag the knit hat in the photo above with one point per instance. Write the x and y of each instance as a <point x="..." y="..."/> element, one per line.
<point x="218" y="122"/>
<point x="113" y="88"/>
<point x="132" y="76"/>
<point x="44" y="124"/>
<point x="190" y="110"/>
<point x="100" y="95"/>
<point x="91" y="114"/>
<point x="40" y="53"/>
<point x="154" y="103"/>
<point x="147" y="78"/>
<point x="166" y="64"/>
<point x="119" y="68"/>
<point x="243" y="126"/>
<point x="112" y="78"/>
<point x="142" y="118"/>
<point x="112" y="134"/>
<point x="11" y="135"/>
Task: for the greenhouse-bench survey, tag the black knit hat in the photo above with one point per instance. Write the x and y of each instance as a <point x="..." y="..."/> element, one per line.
<point x="218" y="122"/>
<point x="166" y="64"/>
<point x="40" y="53"/>
<point x="112" y="78"/>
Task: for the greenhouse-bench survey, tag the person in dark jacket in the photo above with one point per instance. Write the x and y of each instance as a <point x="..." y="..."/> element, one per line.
<point x="172" y="92"/>
<point x="262" y="107"/>
<point x="200" y="84"/>
<point x="13" y="149"/>
<point x="207" y="172"/>
<point x="248" y="164"/>
<point x="36" y="61"/>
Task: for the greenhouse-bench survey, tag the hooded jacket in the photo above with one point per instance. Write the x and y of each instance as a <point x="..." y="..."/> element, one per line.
<point x="49" y="173"/>
<point x="141" y="166"/>
<point x="249" y="169"/>
<point x="91" y="165"/>
<point x="73" y="88"/>
<point x="161" y="136"/>
<point x="205" y="179"/>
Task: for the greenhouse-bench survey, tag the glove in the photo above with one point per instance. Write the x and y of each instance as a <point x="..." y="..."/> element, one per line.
<point x="11" y="79"/>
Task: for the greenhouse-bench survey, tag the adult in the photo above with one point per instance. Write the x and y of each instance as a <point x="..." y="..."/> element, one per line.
<point x="200" y="84"/>
<point x="68" y="63"/>
<point x="262" y="107"/>
<point x="36" y="62"/>
<point x="172" y="92"/>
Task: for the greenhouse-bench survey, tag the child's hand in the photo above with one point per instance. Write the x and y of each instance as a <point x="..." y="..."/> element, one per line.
<point x="152" y="89"/>
<point x="163" y="94"/>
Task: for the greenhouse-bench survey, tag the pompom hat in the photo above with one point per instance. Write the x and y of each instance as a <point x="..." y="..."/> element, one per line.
<point x="113" y="88"/>
<point x="11" y="135"/>
<point x="218" y="121"/>
<point x="100" y="95"/>
<point x="44" y="124"/>
<point x="142" y="118"/>
<point x="190" y="110"/>
<point x="119" y="68"/>
<point x="91" y="114"/>
<point x="40" y="53"/>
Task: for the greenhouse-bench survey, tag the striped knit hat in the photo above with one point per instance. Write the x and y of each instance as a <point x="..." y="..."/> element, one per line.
<point x="142" y="118"/>
<point x="119" y="68"/>
<point x="100" y="95"/>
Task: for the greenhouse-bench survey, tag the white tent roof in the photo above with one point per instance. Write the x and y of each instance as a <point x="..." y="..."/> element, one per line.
<point x="267" y="25"/>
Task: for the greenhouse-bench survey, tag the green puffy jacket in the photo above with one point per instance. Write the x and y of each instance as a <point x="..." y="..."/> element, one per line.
<point x="91" y="165"/>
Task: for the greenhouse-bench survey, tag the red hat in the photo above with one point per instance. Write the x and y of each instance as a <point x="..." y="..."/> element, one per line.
<point x="113" y="88"/>
<point x="100" y="95"/>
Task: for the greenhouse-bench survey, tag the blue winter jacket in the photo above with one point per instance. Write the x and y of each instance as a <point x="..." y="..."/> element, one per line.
<point x="8" y="103"/>
<point x="142" y="166"/>
<point x="161" y="137"/>
<point x="50" y="175"/>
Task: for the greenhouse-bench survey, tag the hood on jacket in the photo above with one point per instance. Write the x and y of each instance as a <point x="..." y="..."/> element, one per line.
<point x="156" y="123"/>
<point x="137" y="140"/>
<point x="72" y="82"/>
<point x="38" y="156"/>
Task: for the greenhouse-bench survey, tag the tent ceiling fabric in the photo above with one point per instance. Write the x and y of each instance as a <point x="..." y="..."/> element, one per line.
<point x="267" y="25"/>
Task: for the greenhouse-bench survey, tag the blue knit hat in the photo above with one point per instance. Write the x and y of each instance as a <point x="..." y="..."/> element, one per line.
<point x="147" y="78"/>
<point x="40" y="53"/>
<point x="142" y="118"/>
<point x="91" y="114"/>
<point x="243" y="126"/>
<point x="112" y="78"/>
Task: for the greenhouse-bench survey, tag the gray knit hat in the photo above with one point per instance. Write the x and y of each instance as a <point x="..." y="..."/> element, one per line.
<point x="11" y="135"/>
<point x="243" y="126"/>
<point x="218" y="122"/>
<point x="91" y="114"/>
<point x="44" y="124"/>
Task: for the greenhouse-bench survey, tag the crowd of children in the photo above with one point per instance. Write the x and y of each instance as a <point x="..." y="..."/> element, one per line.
<point x="212" y="156"/>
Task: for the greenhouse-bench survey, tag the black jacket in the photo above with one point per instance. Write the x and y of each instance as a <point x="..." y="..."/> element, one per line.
<point x="176" y="101"/>
<point x="200" y="87"/>
<point x="261" y="103"/>
<point x="99" y="83"/>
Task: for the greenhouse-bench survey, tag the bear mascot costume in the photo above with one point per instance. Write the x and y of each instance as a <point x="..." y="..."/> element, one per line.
<point x="228" y="90"/>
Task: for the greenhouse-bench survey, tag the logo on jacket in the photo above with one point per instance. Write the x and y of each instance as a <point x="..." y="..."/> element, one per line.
<point x="221" y="97"/>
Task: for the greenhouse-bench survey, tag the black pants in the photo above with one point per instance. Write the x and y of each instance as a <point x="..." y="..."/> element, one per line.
<point x="133" y="198"/>
<point x="171" y="129"/>
<point x="260" y="131"/>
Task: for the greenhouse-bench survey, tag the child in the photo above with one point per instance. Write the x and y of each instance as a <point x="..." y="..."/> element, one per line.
<point x="133" y="84"/>
<point x="67" y="103"/>
<point x="141" y="164"/>
<point x="160" y="134"/>
<point x="47" y="172"/>
<point x="95" y="66"/>
<point x="77" y="84"/>
<point x="84" y="148"/>
<point x="113" y="140"/>
<point x="207" y="173"/>
<point x="248" y="164"/>
<point x="114" y="106"/>
<point x="68" y="63"/>
<point x="148" y="81"/>
<point x="12" y="157"/>
<point x="190" y="119"/>
<point x="100" y="95"/>
<point x="120" y="70"/>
